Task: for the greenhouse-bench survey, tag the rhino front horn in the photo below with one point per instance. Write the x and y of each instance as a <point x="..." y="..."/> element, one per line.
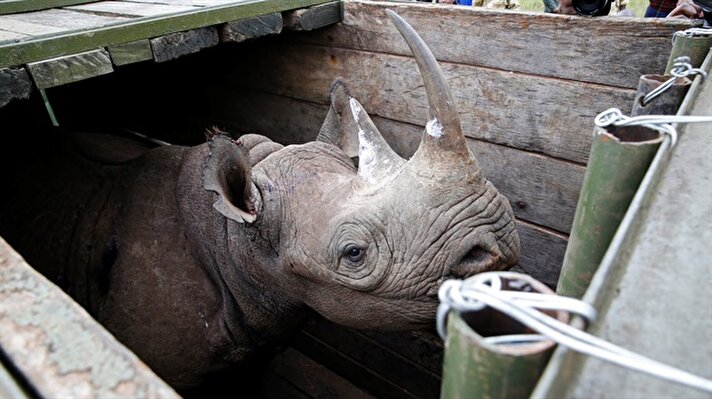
<point x="443" y="138"/>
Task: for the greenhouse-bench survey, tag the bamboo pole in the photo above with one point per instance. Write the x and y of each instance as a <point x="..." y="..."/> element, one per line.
<point x="695" y="47"/>
<point x="618" y="161"/>
<point x="476" y="369"/>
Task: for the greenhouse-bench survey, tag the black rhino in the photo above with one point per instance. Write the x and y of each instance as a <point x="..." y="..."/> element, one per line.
<point x="198" y="257"/>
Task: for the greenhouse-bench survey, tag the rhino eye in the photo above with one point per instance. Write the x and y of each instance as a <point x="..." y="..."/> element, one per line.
<point x="354" y="254"/>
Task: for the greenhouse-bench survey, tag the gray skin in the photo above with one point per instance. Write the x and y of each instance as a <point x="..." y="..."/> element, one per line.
<point x="197" y="258"/>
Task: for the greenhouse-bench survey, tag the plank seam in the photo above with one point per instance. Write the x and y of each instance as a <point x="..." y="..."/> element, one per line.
<point x="627" y="89"/>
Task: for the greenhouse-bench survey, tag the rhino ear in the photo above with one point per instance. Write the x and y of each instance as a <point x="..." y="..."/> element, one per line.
<point x="339" y="127"/>
<point x="228" y="174"/>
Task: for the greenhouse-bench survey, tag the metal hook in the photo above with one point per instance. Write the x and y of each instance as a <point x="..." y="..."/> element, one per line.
<point x="681" y="69"/>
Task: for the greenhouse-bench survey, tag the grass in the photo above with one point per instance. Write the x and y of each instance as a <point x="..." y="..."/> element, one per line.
<point x="637" y="6"/>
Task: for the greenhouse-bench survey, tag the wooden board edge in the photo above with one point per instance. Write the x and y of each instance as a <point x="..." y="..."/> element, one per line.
<point x="12" y="54"/>
<point x="39" y="321"/>
<point x="70" y="68"/>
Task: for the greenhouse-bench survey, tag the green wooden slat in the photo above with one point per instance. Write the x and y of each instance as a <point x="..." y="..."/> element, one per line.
<point x="15" y="6"/>
<point x="142" y="28"/>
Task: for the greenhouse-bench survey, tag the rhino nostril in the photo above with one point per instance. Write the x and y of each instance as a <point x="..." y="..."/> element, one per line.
<point x="475" y="261"/>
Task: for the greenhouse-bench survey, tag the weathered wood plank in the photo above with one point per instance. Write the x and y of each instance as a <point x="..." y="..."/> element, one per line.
<point x="312" y="378"/>
<point x="422" y="348"/>
<point x="372" y="356"/>
<point x="314" y="17"/>
<point x="54" y="21"/>
<point x="70" y="68"/>
<point x="612" y="51"/>
<point x="14" y="84"/>
<point x="251" y="28"/>
<point x="169" y="47"/>
<point x="129" y="53"/>
<point x="348" y="368"/>
<point x="8" y="36"/>
<point x="542" y="252"/>
<point x="197" y="3"/>
<point x="12" y="54"/>
<point x="551" y="116"/>
<point x="58" y="347"/>
<point x="17" y="6"/>
<point x="272" y="386"/>
<point x="130" y="9"/>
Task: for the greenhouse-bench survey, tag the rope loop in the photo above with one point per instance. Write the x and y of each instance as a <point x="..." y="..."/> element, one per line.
<point x="486" y="290"/>
<point x="660" y="123"/>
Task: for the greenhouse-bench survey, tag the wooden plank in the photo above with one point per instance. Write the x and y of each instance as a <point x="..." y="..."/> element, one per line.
<point x="130" y="9"/>
<point x="363" y="378"/>
<point x="422" y="348"/>
<point x="542" y="252"/>
<point x="169" y="47"/>
<point x="612" y="51"/>
<point x="197" y="3"/>
<point x="372" y="356"/>
<point x="12" y="54"/>
<point x="58" y="347"/>
<point x="251" y="28"/>
<point x="70" y="68"/>
<point x="47" y="22"/>
<point x="312" y="378"/>
<point x="272" y="386"/>
<point x="550" y="116"/>
<point x="314" y="17"/>
<point x="8" y="36"/>
<point x="17" y="6"/>
<point x="14" y="84"/>
<point x="129" y="53"/>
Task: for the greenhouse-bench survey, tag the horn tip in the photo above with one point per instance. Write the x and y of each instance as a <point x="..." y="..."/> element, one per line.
<point x="356" y="108"/>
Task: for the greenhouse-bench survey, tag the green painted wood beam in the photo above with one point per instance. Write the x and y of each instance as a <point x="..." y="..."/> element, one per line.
<point x="15" y="6"/>
<point x="40" y="48"/>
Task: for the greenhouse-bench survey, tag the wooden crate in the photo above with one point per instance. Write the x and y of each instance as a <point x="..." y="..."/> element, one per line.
<point x="527" y="86"/>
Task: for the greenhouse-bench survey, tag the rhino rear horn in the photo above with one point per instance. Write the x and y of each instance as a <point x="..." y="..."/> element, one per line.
<point x="228" y="173"/>
<point x="443" y="133"/>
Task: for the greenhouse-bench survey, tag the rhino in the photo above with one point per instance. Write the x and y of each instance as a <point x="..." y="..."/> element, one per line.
<point x="201" y="257"/>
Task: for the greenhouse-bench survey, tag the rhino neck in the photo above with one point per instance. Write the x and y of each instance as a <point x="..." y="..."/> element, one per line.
<point x="241" y="263"/>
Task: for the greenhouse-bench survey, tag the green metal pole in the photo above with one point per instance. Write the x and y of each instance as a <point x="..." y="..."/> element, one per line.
<point x="618" y="161"/>
<point x="667" y="102"/>
<point x="695" y="47"/>
<point x="476" y="369"/>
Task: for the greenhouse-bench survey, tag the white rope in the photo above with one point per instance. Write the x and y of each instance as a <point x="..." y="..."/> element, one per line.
<point x="485" y="290"/>
<point x="660" y="123"/>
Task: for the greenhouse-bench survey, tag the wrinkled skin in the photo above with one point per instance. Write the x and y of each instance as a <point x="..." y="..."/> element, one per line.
<point x="197" y="258"/>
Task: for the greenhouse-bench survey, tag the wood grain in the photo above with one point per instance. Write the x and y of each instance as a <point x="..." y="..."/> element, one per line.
<point x="550" y="116"/>
<point x="170" y="47"/>
<point x="312" y="378"/>
<point x="70" y="68"/>
<point x="14" y="84"/>
<point x="130" y="9"/>
<point x="16" y="6"/>
<point x="54" y="21"/>
<point x="128" y="30"/>
<point x="129" y="53"/>
<point x="314" y="17"/>
<point x="58" y="347"/>
<point x="251" y="28"/>
<point x="611" y="51"/>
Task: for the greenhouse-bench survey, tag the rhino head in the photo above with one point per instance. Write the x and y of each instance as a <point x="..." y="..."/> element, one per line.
<point x="368" y="245"/>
